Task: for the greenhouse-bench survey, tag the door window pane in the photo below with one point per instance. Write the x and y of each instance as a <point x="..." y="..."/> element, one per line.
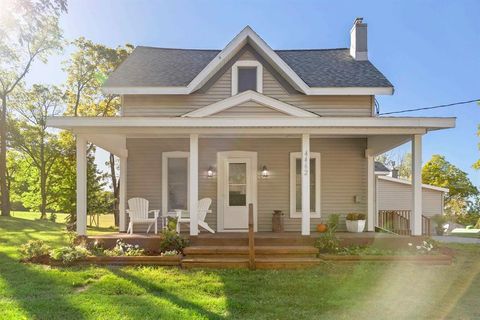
<point x="247" y="79"/>
<point x="177" y="183"/>
<point x="298" y="185"/>
<point x="237" y="184"/>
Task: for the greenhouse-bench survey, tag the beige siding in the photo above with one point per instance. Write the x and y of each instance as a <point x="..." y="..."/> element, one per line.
<point x="398" y="196"/>
<point x="176" y="105"/>
<point x="250" y="109"/>
<point x="343" y="173"/>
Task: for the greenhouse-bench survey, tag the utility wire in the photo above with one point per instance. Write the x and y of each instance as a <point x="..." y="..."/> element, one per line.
<point x="432" y="107"/>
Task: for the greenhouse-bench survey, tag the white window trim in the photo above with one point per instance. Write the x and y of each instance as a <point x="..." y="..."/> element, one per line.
<point x="293" y="211"/>
<point x="165" y="157"/>
<point x="247" y="63"/>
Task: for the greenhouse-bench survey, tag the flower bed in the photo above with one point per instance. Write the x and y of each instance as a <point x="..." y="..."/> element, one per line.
<point x="133" y="260"/>
<point x="81" y="252"/>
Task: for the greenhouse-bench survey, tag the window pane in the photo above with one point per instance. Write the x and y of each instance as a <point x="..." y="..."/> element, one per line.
<point x="177" y="183"/>
<point x="237" y="184"/>
<point x="247" y="79"/>
<point x="298" y="185"/>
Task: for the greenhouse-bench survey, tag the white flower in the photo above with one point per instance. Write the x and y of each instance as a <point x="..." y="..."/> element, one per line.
<point x="410" y="244"/>
<point x="419" y="247"/>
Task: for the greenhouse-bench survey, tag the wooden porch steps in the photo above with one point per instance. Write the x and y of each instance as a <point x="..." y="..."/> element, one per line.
<point x="266" y="257"/>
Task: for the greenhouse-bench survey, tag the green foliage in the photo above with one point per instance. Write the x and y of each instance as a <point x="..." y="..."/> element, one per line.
<point x="439" y="220"/>
<point x="172" y="241"/>
<point x="34" y="250"/>
<point x="124" y="249"/>
<point x="68" y="255"/>
<point x="53" y="217"/>
<point x="333" y="221"/>
<point x="327" y="242"/>
<point x="403" y="163"/>
<point x="356" y="216"/>
<point x="441" y="173"/>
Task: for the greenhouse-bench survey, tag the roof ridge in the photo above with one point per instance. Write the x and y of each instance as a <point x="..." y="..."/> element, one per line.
<point x="327" y="49"/>
<point x="276" y="50"/>
<point x="163" y="48"/>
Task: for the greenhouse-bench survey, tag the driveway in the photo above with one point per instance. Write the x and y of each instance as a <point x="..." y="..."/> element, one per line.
<point x="454" y="239"/>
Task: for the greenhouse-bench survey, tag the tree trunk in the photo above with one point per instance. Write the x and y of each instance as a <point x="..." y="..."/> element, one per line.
<point x="3" y="159"/>
<point x="116" y="193"/>
<point x="43" y="181"/>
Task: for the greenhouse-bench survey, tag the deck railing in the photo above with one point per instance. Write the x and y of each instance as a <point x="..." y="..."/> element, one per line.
<point x="251" y="238"/>
<point x="398" y="221"/>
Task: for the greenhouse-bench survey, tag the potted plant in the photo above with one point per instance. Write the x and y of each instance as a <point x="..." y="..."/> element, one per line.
<point x="355" y="222"/>
<point x="439" y="221"/>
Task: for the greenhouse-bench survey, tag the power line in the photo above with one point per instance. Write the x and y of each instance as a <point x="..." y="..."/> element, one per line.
<point x="432" y="107"/>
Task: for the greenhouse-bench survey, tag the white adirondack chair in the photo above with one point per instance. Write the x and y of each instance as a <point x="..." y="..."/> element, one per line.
<point x="138" y="213"/>
<point x="203" y="209"/>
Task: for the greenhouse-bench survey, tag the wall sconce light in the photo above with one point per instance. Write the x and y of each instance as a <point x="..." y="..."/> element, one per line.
<point x="210" y="172"/>
<point x="265" y="172"/>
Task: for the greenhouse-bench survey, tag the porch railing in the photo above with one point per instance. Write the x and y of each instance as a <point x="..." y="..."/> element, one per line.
<point x="398" y="221"/>
<point x="251" y="239"/>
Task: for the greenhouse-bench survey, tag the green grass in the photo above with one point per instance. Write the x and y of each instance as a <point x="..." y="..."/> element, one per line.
<point x="331" y="291"/>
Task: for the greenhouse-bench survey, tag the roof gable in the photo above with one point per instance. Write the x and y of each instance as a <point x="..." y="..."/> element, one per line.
<point x="248" y="96"/>
<point x="313" y="72"/>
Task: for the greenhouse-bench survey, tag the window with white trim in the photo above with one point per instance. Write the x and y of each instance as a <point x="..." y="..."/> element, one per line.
<point x="247" y="75"/>
<point x="175" y="170"/>
<point x="296" y="185"/>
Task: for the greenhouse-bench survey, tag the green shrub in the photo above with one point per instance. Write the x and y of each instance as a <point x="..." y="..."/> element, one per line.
<point x="333" y="221"/>
<point x="356" y="216"/>
<point x="172" y="241"/>
<point x="327" y="242"/>
<point x="34" y="250"/>
<point x="68" y="255"/>
<point x="124" y="249"/>
<point x="439" y="220"/>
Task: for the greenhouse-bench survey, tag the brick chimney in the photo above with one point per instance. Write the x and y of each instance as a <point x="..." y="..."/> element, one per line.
<point x="358" y="40"/>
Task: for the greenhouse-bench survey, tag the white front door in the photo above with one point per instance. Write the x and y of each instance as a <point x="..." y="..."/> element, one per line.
<point x="237" y="188"/>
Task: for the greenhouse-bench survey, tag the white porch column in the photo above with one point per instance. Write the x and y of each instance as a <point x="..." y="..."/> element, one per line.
<point x="416" y="218"/>
<point x="370" y="193"/>
<point x="81" y="185"/>
<point x="123" y="195"/>
<point x="193" y="184"/>
<point x="305" y="172"/>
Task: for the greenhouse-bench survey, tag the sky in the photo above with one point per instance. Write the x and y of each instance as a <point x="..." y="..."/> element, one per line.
<point x="429" y="50"/>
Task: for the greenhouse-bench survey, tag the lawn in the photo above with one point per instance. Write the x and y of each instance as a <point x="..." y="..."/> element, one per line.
<point x="331" y="291"/>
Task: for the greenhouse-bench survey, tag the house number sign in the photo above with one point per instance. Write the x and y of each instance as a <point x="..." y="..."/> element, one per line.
<point x="305" y="163"/>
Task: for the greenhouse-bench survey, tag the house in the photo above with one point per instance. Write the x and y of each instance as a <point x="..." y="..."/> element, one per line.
<point x="394" y="193"/>
<point x="290" y="130"/>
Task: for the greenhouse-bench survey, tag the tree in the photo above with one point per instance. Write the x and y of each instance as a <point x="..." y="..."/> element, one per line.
<point x="439" y="172"/>
<point x="29" y="31"/>
<point x="40" y="146"/>
<point x="403" y="163"/>
<point x="87" y="69"/>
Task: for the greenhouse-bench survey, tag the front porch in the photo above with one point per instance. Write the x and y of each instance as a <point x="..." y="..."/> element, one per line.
<point x="315" y="166"/>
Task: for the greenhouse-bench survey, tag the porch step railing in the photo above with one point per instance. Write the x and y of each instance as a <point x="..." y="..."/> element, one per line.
<point x="251" y="239"/>
<point x="398" y="221"/>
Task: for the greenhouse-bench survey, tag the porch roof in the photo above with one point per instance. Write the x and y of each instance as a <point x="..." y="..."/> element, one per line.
<point x="347" y="125"/>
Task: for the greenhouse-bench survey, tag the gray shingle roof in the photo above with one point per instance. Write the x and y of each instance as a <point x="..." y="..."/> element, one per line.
<point x="380" y="167"/>
<point x="152" y="67"/>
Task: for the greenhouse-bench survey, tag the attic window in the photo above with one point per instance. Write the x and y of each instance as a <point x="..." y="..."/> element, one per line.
<point x="247" y="75"/>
